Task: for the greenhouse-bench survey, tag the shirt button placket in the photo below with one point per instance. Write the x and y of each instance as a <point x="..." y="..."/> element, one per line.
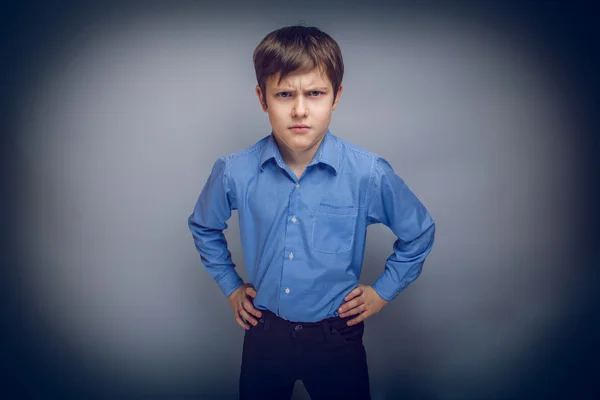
<point x="292" y="234"/>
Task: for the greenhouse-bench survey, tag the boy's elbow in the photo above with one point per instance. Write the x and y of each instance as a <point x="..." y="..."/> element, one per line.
<point x="431" y="230"/>
<point x="200" y="230"/>
<point x="196" y="227"/>
<point x="429" y="235"/>
<point x="193" y="224"/>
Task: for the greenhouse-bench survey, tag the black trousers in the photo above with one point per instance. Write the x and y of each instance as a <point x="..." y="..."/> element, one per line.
<point x="327" y="356"/>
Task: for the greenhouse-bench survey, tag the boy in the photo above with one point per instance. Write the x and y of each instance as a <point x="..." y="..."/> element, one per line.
<point x="304" y="199"/>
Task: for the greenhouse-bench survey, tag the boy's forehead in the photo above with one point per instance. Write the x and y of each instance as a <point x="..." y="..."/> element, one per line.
<point x="301" y="77"/>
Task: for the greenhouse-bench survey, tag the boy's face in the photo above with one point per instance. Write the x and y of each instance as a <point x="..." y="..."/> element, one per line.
<point x="299" y="108"/>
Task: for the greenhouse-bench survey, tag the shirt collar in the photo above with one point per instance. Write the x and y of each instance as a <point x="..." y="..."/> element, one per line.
<point x="327" y="153"/>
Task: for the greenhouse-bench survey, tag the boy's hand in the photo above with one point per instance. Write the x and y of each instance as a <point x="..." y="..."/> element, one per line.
<point x="243" y="307"/>
<point x="363" y="300"/>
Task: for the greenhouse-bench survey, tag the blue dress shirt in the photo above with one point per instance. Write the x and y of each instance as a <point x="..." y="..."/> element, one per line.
<point x="303" y="239"/>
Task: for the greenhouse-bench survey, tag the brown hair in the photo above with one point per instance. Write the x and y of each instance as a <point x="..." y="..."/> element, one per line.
<point x="288" y="49"/>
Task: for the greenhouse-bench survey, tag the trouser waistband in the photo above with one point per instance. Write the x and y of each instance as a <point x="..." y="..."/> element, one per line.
<point x="329" y="325"/>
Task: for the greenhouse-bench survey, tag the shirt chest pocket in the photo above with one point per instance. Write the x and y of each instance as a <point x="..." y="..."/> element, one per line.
<point x="333" y="228"/>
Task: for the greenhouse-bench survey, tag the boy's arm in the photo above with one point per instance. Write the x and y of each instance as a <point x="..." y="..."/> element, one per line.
<point x="207" y="223"/>
<point x="392" y="203"/>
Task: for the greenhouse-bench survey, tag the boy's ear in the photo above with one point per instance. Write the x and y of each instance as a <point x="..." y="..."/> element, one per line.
<point x="261" y="99"/>
<point x="337" y="96"/>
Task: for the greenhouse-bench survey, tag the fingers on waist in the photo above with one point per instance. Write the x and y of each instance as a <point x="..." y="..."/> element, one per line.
<point x="249" y="306"/>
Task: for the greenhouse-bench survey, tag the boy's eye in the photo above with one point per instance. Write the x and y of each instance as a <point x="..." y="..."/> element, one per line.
<point x="312" y="93"/>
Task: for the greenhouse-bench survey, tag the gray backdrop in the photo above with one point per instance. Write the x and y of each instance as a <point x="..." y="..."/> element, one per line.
<point x="121" y="121"/>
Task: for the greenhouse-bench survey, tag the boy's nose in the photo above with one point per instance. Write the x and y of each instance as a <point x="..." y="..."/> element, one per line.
<point x="299" y="109"/>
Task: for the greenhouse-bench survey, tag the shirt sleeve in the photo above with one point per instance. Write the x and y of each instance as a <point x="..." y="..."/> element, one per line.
<point x="207" y="223"/>
<point x="391" y="203"/>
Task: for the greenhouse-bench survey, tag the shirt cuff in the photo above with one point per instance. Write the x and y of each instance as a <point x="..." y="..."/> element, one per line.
<point x="229" y="282"/>
<point x="386" y="288"/>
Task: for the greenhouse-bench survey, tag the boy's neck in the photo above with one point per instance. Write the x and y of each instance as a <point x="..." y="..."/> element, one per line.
<point x="298" y="160"/>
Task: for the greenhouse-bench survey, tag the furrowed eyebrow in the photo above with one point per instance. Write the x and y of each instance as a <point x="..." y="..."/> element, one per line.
<point x="320" y="89"/>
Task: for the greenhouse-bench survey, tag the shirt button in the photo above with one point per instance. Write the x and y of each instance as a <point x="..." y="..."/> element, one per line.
<point x="294" y="219"/>
<point x="297" y="185"/>
<point x="291" y="256"/>
<point x="287" y="290"/>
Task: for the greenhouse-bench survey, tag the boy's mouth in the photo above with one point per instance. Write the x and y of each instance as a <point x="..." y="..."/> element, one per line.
<point x="300" y="128"/>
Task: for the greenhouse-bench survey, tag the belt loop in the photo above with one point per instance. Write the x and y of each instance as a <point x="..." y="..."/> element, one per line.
<point x="327" y="330"/>
<point x="267" y="318"/>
